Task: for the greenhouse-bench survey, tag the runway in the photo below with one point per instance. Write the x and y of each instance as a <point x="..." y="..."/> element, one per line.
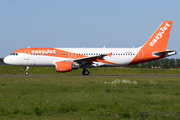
<point x="1" y="63"/>
<point x="90" y="76"/>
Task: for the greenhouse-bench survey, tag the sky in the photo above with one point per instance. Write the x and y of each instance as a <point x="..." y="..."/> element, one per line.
<point x="85" y="23"/>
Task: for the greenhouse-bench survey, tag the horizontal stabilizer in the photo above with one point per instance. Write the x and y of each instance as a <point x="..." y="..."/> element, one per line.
<point x="167" y="53"/>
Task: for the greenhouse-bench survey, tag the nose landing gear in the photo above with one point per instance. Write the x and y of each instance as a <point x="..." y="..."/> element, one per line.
<point x="27" y="70"/>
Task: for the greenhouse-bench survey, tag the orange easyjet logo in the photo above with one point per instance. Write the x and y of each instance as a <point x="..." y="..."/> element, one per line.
<point x="160" y="34"/>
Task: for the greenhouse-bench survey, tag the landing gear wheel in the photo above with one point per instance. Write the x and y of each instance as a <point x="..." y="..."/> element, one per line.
<point x="26" y="73"/>
<point x="85" y="72"/>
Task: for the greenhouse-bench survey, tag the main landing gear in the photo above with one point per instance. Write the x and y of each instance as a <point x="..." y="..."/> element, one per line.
<point x="85" y="72"/>
<point x="27" y="70"/>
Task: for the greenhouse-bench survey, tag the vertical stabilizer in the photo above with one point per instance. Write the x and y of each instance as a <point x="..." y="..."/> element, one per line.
<point x="158" y="41"/>
<point x="156" y="44"/>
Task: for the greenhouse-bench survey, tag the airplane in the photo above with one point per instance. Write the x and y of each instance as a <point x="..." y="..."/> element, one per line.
<point x="68" y="59"/>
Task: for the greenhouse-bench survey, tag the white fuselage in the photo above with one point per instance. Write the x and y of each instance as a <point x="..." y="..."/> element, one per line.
<point x="119" y="56"/>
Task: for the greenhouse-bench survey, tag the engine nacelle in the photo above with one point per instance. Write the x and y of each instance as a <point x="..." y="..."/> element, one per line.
<point x="66" y="66"/>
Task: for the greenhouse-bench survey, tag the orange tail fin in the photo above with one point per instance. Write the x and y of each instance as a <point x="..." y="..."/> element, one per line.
<point x="155" y="47"/>
<point x="158" y="41"/>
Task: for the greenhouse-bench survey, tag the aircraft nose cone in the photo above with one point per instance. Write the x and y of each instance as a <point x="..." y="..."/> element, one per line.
<point x="6" y="60"/>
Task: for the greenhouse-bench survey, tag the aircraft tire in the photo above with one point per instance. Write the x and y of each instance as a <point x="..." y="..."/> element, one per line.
<point x="85" y="72"/>
<point x="26" y="73"/>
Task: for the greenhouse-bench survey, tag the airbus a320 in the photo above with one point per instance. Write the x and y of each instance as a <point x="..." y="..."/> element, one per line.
<point x="68" y="59"/>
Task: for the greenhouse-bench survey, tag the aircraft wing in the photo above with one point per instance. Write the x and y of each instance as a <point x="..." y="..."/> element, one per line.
<point x="92" y="58"/>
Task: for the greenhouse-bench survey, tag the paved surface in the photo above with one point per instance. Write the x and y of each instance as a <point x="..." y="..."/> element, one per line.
<point x="90" y="76"/>
<point x="1" y="63"/>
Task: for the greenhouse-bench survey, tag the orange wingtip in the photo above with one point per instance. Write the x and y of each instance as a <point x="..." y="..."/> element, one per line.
<point x="110" y="54"/>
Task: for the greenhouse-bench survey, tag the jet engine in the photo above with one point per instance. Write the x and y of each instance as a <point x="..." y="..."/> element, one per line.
<point x="66" y="66"/>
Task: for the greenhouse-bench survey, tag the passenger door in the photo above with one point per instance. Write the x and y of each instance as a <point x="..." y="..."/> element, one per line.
<point x="26" y="54"/>
<point x="140" y="55"/>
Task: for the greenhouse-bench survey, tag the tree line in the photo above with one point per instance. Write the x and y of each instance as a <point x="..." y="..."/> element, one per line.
<point x="1" y="59"/>
<point x="165" y="63"/>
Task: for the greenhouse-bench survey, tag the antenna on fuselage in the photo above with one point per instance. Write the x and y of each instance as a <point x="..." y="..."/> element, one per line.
<point x="29" y="47"/>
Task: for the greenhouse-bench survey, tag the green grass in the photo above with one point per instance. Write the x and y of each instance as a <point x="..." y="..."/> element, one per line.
<point x="16" y="70"/>
<point x="89" y="98"/>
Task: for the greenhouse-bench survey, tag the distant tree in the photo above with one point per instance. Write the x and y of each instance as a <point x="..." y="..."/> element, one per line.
<point x="177" y="63"/>
<point x="159" y="62"/>
<point x="149" y="64"/>
<point x="155" y="63"/>
<point x="131" y="66"/>
<point x="140" y="65"/>
<point x="172" y="63"/>
<point x="136" y="66"/>
<point x="165" y="63"/>
<point x="1" y="59"/>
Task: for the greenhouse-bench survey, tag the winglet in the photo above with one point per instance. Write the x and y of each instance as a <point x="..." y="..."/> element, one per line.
<point x="110" y="54"/>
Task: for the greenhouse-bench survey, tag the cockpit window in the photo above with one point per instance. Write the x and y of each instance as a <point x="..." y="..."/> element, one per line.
<point x="16" y="54"/>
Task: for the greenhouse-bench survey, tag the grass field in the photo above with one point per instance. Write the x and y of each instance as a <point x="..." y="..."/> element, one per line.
<point x="16" y="70"/>
<point x="89" y="98"/>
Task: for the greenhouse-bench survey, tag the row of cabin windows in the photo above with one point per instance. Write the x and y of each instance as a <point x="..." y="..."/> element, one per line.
<point x="80" y="54"/>
<point x="87" y="54"/>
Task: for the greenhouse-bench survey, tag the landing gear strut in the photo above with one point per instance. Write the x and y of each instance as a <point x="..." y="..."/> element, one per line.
<point x="85" y="72"/>
<point x="27" y="70"/>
